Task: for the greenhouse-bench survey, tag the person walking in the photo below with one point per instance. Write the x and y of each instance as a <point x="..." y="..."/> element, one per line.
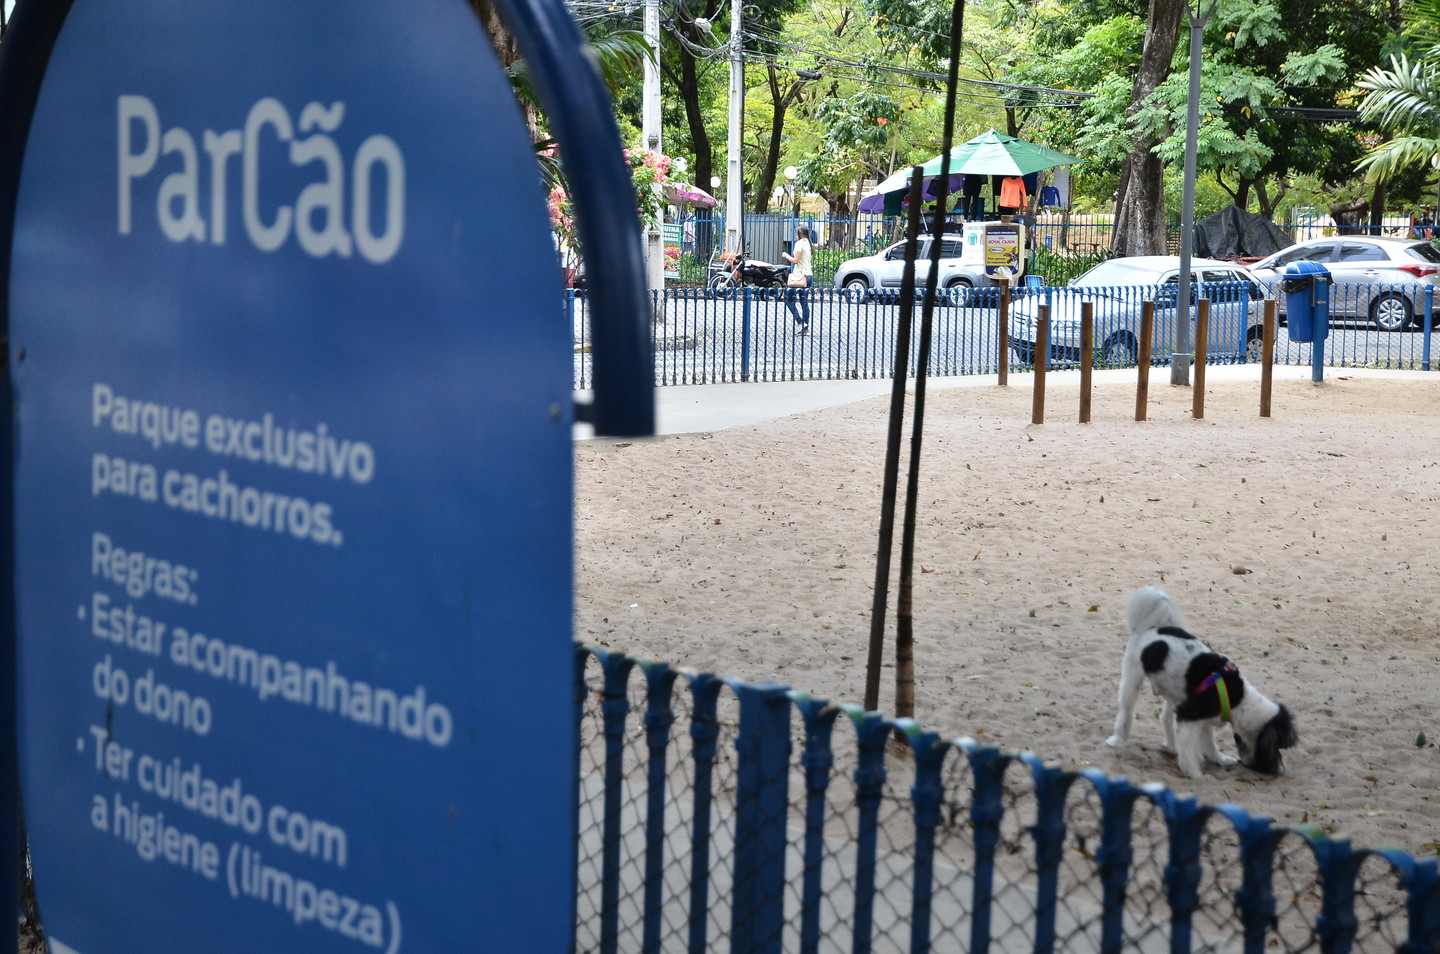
<point x="802" y="275"/>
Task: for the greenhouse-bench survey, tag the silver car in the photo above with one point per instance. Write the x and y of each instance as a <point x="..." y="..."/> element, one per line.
<point x="1118" y="290"/>
<point x="1381" y="280"/>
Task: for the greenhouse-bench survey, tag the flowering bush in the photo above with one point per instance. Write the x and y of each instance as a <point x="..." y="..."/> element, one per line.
<point x="562" y="215"/>
<point x="649" y="172"/>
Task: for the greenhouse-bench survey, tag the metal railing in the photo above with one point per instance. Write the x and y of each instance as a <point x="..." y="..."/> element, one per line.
<point x="1060" y="245"/>
<point x="719" y="816"/>
<point x="704" y="337"/>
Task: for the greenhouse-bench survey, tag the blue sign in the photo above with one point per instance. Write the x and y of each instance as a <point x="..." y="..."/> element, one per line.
<point x="292" y="384"/>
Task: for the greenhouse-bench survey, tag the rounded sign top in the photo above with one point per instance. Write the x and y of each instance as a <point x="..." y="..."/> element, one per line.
<point x="293" y="388"/>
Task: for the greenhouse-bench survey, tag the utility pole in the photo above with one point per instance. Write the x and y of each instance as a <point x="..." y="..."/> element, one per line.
<point x="1180" y="358"/>
<point x="650" y="131"/>
<point x="734" y="184"/>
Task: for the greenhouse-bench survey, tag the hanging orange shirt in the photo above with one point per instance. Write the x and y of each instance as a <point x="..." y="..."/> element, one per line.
<point x="1012" y="192"/>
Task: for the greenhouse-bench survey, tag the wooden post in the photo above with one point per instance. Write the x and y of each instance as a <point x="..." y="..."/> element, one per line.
<point x="1267" y="357"/>
<point x="1003" y="361"/>
<point x="1202" y="348"/>
<point x="1042" y="360"/>
<point x="1147" y="344"/>
<point x="1087" y="357"/>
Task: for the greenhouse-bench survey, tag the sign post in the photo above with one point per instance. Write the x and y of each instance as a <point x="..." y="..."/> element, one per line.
<point x="291" y="385"/>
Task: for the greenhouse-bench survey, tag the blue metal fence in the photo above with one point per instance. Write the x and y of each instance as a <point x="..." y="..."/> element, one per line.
<point x="702" y="337"/>
<point x="719" y="816"/>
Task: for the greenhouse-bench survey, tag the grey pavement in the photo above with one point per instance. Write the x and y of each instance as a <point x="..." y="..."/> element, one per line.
<point x="690" y="409"/>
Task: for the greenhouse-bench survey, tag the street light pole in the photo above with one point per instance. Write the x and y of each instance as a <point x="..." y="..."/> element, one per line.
<point x="734" y="185"/>
<point x="650" y="132"/>
<point x="1180" y="358"/>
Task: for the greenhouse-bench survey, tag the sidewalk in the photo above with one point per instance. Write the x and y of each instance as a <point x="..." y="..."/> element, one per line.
<point x="690" y="409"/>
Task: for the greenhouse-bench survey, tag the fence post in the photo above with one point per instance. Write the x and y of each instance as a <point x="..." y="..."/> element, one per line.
<point x="1114" y="854"/>
<point x="926" y="795"/>
<point x="1267" y="357"/>
<point x="1052" y="786"/>
<point x="1202" y="352"/>
<point x="704" y="733"/>
<point x="1338" y="863"/>
<point x="761" y="806"/>
<point x="1185" y="820"/>
<point x="1429" y="325"/>
<point x="872" y="732"/>
<point x="1003" y="359"/>
<point x="1087" y="357"/>
<point x="659" y="717"/>
<point x="1042" y="361"/>
<point x="1147" y="345"/>
<point x="986" y="810"/>
<point x="1255" y="898"/>
<point x="818" y="759"/>
<point x="1423" y="886"/>
<point x="614" y="708"/>
<point x="745" y="335"/>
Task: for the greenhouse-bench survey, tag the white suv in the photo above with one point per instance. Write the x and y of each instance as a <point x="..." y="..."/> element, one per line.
<point x="962" y="269"/>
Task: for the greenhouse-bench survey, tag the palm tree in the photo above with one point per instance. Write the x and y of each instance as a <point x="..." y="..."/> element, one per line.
<point x="1404" y="100"/>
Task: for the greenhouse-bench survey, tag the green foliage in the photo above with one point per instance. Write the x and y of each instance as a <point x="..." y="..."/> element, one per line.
<point x="859" y="120"/>
<point x="827" y="262"/>
<point x="1325" y="65"/>
<point x="1405" y="99"/>
<point x="1058" y="268"/>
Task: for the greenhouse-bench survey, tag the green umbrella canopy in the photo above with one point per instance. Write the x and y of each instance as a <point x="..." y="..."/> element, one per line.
<point x="990" y="154"/>
<point x="996" y="154"/>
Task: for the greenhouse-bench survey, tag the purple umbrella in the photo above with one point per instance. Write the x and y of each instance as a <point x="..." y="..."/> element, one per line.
<point x="685" y="194"/>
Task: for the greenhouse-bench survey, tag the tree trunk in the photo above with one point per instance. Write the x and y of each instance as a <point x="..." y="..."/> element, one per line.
<point x="505" y="48"/>
<point x="1377" y="207"/>
<point x="1267" y="207"/>
<point x="1349" y="216"/>
<point x="1140" y="203"/>
<point x="780" y="106"/>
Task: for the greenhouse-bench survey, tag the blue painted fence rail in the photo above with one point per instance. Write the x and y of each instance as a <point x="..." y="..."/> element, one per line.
<point x="716" y="816"/>
<point x="704" y="337"/>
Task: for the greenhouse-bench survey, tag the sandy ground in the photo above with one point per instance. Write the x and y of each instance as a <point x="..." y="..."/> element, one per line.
<point x="1306" y="546"/>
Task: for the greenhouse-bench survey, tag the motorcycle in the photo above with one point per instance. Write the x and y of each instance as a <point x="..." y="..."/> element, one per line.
<point x="731" y="270"/>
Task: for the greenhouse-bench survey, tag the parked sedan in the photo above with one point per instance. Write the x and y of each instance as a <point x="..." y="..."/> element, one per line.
<point x="1118" y="290"/>
<point x="1375" y="279"/>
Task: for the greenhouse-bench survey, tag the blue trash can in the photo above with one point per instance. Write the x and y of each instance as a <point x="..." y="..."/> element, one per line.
<point x="1306" y="285"/>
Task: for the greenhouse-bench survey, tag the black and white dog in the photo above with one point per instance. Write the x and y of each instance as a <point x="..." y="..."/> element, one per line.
<point x="1199" y="689"/>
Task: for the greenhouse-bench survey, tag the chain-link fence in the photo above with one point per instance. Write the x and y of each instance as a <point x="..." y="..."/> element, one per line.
<point x="721" y="817"/>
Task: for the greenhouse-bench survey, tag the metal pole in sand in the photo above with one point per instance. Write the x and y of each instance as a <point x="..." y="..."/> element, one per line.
<point x="881" y="599"/>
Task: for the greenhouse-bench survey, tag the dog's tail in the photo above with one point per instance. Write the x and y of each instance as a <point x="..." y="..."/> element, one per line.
<point x="1151" y="608"/>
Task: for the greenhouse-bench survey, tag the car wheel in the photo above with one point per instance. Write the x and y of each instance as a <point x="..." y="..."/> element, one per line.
<point x="857" y="288"/>
<point x="959" y="293"/>
<point x="1391" y="312"/>
<point x="724" y="286"/>
<point x="1254" y="345"/>
<point x="1118" y="351"/>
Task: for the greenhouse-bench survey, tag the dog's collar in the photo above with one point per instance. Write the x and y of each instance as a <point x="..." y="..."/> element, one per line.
<point x="1215" y="679"/>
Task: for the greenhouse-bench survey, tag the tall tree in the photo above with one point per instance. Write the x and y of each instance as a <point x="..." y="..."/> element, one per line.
<point x="1140" y="200"/>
